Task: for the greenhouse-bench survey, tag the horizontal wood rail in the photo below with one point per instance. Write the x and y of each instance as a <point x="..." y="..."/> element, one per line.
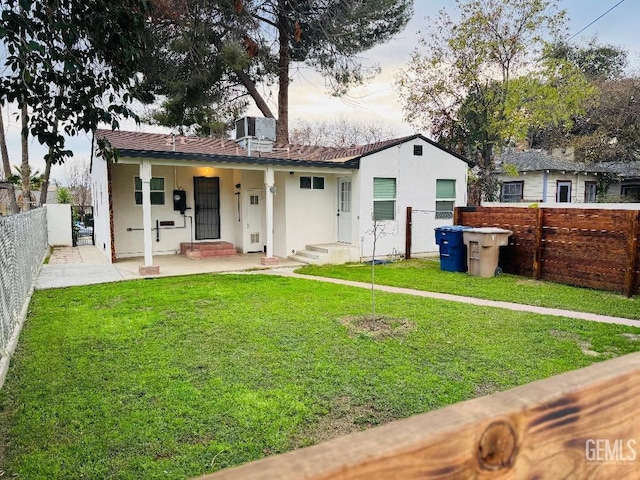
<point x="585" y="247"/>
<point x="581" y="424"/>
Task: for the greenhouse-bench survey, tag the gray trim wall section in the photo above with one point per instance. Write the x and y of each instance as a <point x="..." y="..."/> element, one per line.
<point x="232" y="159"/>
<point x="352" y="163"/>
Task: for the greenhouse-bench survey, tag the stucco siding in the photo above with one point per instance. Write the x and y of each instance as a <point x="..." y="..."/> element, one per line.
<point x="310" y="213"/>
<point x="100" y="199"/>
<point x="128" y="216"/>
<point x="416" y="177"/>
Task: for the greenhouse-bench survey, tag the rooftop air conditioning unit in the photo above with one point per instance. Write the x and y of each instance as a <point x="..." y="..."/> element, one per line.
<point x="256" y="127"/>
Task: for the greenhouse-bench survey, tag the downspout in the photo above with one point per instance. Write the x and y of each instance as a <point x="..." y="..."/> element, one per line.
<point x="544" y="186"/>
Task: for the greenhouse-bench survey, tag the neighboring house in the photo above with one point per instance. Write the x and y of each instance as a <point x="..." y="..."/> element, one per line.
<point x="625" y="185"/>
<point x="546" y="179"/>
<point x="166" y="190"/>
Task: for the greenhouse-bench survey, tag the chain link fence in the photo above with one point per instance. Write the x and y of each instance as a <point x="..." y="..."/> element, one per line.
<point x="423" y="225"/>
<point x="23" y="245"/>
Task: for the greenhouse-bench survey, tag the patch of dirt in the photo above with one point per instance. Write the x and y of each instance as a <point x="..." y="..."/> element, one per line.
<point x="342" y="419"/>
<point x="583" y="345"/>
<point x="486" y="388"/>
<point x="634" y="337"/>
<point x="382" y="327"/>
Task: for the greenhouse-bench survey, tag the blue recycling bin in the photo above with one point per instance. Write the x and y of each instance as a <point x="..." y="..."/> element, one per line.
<point x="453" y="251"/>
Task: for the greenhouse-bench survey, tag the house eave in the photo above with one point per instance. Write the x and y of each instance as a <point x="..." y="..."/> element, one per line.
<point x="352" y="163"/>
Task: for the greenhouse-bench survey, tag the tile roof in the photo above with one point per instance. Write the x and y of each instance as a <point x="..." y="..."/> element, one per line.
<point x="537" y="160"/>
<point x="192" y="147"/>
<point x="159" y="142"/>
<point x="626" y="169"/>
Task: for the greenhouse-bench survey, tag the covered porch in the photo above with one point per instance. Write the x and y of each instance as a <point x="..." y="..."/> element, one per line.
<point x="266" y="209"/>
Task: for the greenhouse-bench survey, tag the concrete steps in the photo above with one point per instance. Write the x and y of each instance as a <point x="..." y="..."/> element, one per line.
<point x="327" y="253"/>
<point x="207" y="250"/>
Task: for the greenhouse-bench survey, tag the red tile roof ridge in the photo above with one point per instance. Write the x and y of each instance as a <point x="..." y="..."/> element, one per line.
<point x="167" y="142"/>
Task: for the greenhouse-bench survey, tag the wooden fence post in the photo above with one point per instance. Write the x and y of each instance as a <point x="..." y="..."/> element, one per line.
<point x="537" y="247"/>
<point x="407" y="236"/>
<point x="633" y="219"/>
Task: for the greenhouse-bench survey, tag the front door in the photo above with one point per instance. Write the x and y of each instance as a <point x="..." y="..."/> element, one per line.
<point x="564" y="192"/>
<point x="207" y="207"/>
<point x="344" y="209"/>
<point x="254" y="209"/>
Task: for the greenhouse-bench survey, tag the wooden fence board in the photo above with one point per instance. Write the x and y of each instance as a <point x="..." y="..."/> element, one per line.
<point x="585" y="247"/>
<point x="553" y="428"/>
<point x="585" y="252"/>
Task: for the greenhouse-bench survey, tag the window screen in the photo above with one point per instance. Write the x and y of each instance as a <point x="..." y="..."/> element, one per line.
<point x="384" y="198"/>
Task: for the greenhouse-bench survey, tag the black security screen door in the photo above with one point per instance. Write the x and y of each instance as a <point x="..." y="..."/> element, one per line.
<point x="207" y="206"/>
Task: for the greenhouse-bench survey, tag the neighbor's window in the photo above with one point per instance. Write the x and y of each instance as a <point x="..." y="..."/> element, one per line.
<point x="631" y="193"/>
<point x="384" y="198"/>
<point x="157" y="191"/>
<point x="512" y="191"/>
<point x="445" y="198"/>
<point x="312" y="183"/>
<point x="590" y="190"/>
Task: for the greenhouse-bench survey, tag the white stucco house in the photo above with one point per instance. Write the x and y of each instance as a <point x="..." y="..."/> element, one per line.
<point x="166" y="191"/>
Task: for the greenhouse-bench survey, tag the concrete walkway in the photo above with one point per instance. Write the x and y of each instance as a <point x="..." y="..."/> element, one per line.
<point x="86" y="265"/>
<point x="72" y="266"/>
<point x="594" y="317"/>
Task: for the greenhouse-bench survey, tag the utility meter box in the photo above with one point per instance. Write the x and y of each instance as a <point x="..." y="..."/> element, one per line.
<point x="483" y="249"/>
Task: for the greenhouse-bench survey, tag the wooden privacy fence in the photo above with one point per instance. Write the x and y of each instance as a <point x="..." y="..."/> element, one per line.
<point x="581" y="424"/>
<point x="594" y="248"/>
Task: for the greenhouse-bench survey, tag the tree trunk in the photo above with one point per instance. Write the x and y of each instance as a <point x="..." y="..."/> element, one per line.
<point x="255" y="94"/>
<point x="6" y="166"/>
<point x="25" y="169"/>
<point x="282" y="125"/>
<point x="44" y="189"/>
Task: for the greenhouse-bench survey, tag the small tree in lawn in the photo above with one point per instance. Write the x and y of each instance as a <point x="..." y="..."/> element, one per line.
<point x="378" y="230"/>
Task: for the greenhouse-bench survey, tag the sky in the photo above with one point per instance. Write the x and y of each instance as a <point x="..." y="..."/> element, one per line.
<point x="378" y="100"/>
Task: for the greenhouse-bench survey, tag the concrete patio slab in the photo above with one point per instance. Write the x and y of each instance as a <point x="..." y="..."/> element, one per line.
<point x="87" y="265"/>
<point x="73" y="274"/>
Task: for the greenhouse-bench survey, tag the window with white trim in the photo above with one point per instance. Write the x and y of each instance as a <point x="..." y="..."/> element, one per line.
<point x="445" y="198"/>
<point x="157" y="191"/>
<point x="512" y="192"/>
<point x="590" y="192"/>
<point x="384" y="198"/>
<point x="630" y="193"/>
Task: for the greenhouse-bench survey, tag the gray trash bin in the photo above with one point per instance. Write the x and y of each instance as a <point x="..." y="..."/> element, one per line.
<point x="483" y="249"/>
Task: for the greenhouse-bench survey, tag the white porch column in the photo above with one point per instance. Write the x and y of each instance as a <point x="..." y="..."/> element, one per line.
<point x="270" y="191"/>
<point x="145" y="178"/>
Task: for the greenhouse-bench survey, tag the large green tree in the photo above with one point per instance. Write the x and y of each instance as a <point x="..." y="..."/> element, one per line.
<point x="479" y="82"/>
<point x="609" y="127"/>
<point x="69" y="66"/>
<point x="252" y="44"/>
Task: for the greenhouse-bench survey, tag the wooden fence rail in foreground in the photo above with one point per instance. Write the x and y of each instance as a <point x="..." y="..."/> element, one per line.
<point x="595" y="248"/>
<point x="581" y="424"/>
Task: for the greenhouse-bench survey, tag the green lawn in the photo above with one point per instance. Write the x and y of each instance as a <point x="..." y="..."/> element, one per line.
<point x="177" y="377"/>
<point x="425" y="274"/>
